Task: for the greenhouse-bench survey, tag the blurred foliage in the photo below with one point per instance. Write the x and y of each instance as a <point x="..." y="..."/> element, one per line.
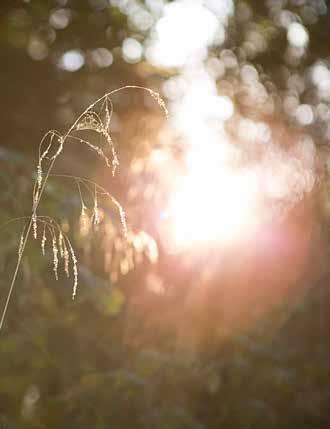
<point x="146" y="348"/>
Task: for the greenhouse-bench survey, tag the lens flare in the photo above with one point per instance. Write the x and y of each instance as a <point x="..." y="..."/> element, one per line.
<point x="212" y="202"/>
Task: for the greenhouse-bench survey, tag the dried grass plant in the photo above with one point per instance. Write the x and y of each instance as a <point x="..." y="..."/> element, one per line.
<point x="95" y="118"/>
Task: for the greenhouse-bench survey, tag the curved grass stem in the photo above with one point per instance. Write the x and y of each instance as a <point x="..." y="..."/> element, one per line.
<point x="40" y="182"/>
<point x="21" y="253"/>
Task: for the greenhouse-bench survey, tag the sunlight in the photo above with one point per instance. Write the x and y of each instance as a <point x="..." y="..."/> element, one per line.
<point x="176" y="43"/>
<point x="212" y="202"/>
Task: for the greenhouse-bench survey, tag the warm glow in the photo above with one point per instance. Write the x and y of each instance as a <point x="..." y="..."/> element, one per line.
<point x="177" y="40"/>
<point x="212" y="203"/>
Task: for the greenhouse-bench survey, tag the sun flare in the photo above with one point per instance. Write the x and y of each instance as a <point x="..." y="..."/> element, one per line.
<point x="212" y="203"/>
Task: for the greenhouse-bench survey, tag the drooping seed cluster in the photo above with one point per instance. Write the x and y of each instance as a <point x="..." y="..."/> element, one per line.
<point x="55" y="256"/>
<point x="61" y="248"/>
<point x="96" y="118"/>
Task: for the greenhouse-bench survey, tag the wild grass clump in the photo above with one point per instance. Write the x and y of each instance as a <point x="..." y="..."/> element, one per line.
<point x="95" y="118"/>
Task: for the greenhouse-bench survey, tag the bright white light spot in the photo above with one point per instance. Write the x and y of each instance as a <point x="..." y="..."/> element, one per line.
<point x="174" y="88"/>
<point x="324" y="89"/>
<point x="212" y="204"/>
<point x="263" y="132"/>
<point x="229" y="59"/>
<point x="158" y="156"/>
<point x="290" y="104"/>
<point x="215" y="67"/>
<point x="304" y="114"/>
<point x="221" y="8"/>
<point x="132" y="50"/>
<point x="252" y="131"/>
<point x="183" y="33"/>
<point x="221" y="107"/>
<point x="248" y="130"/>
<point x="141" y="19"/>
<point x="249" y="73"/>
<point x="200" y="113"/>
<point x="72" y="60"/>
<point x="279" y="179"/>
<point x="297" y="35"/>
<point x="155" y="6"/>
<point x="319" y="73"/>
